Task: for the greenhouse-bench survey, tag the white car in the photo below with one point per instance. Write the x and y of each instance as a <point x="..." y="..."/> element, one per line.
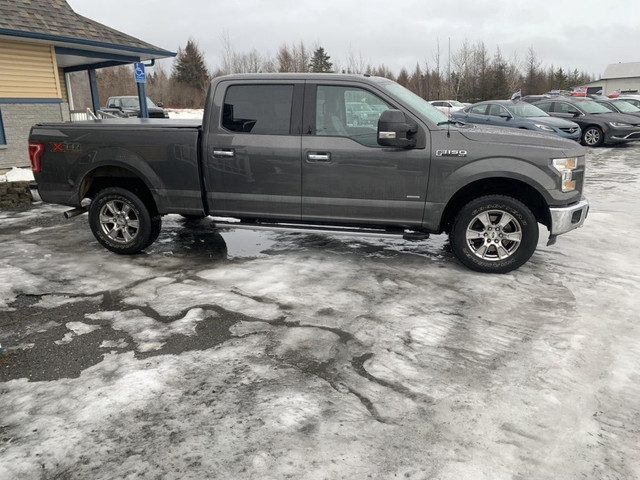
<point x="447" y="106"/>
<point x="630" y="98"/>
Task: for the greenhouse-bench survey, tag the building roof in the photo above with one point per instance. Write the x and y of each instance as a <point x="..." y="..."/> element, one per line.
<point x="55" y="21"/>
<point x="622" y="70"/>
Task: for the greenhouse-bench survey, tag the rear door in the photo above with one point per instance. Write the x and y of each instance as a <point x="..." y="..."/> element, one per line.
<point x="251" y="153"/>
<point x="346" y="176"/>
<point x="478" y="114"/>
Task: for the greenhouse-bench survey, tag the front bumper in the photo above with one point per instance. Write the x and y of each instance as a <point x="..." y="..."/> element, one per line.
<point x="565" y="219"/>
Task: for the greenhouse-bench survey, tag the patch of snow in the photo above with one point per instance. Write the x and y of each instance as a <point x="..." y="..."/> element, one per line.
<point x="185" y="113"/>
<point x="17" y="175"/>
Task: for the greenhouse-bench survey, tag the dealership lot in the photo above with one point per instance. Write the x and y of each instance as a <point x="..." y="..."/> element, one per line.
<point x="239" y="354"/>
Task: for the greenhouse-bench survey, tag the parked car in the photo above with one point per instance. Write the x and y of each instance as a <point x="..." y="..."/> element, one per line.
<point x="360" y="113"/>
<point x="507" y="113"/>
<point x="129" y="106"/>
<point x="620" y="106"/>
<point x="447" y="106"/>
<point x="632" y="99"/>
<point x="599" y="124"/>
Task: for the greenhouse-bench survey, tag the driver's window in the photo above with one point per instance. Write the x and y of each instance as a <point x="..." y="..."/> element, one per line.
<point x="348" y="112"/>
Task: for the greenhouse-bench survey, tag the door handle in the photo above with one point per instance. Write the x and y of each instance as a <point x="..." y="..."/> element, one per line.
<point x="223" y="153"/>
<point x="318" y="157"/>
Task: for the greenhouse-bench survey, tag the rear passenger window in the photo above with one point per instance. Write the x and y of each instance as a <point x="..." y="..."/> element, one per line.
<point x="479" y="109"/>
<point x="546" y="106"/>
<point x="258" y="109"/>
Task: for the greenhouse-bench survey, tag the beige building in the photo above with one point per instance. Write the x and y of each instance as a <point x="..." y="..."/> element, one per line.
<point x="622" y="76"/>
<point x="41" y="41"/>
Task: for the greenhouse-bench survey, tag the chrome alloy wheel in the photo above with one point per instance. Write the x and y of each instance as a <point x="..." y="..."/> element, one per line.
<point x="592" y="137"/>
<point x="494" y="235"/>
<point x="119" y="221"/>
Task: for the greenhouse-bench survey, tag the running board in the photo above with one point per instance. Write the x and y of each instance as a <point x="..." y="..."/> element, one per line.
<point x="406" y="234"/>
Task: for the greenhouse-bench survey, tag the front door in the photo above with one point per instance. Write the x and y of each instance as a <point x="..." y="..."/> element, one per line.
<point x="346" y="176"/>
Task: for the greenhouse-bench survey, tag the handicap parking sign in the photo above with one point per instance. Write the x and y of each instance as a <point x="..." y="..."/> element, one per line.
<point x="138" y="72"/>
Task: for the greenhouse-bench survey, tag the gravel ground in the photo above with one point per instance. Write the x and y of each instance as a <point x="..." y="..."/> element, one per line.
<point x="235" y="354"/>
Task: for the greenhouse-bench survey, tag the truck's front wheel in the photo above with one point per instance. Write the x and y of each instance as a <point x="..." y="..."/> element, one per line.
<point x="121" y="221"/>
<point x="494" y="234"/>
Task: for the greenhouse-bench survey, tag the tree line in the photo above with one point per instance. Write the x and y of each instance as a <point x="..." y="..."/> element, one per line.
<point x="469" y="74"/>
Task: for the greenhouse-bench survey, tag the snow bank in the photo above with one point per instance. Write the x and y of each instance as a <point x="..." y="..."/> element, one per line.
<point x="17" y="175"/>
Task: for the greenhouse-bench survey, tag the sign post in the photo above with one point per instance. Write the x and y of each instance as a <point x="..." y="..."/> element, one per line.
<point x="141" y="78"/>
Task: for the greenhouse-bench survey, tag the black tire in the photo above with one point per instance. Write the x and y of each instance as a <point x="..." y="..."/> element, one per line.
<point x="592" y="137"/>
<point x="156" y="227"/>
<point x="494" y="234"/>
<point x="121" y="221"/>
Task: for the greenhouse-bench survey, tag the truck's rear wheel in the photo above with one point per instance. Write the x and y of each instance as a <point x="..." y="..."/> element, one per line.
<point x="494" y="234"/>
<point x="121" y="221"/>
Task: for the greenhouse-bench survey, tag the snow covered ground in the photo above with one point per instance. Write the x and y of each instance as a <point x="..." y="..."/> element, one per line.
<point x="236" y="354"/>
<point x="185" y="113"/>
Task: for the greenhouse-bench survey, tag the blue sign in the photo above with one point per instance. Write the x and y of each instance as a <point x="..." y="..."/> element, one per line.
<point x="138" y="72"/>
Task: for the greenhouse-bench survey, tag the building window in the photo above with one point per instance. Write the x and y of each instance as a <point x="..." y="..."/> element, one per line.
<point x="3" y="138"/>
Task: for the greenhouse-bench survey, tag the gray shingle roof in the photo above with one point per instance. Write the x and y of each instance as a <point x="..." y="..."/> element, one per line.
<point x="622" y="70"/>
<point x="56" y="18"/>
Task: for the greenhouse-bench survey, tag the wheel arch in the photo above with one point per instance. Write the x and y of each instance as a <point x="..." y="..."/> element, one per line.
<point x="509" y="187"/>
<point x="106" y="176"/>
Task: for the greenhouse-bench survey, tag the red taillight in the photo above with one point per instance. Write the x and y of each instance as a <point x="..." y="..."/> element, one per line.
<point x="35" y="150"/>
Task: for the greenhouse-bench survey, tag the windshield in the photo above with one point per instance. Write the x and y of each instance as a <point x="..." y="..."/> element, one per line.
<point x="132" y="102"/>
<point x="526" y="110"/>
<point x="416" y="103"/>
<point x="455" y="103"/>
<point x="593" y="107"/>
<point x="626" y="107"/>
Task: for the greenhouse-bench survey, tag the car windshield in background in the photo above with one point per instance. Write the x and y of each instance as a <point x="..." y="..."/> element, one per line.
<point x="360" y="107"/>
<point x="133" y="102"/>
<point x="416" y="102"/>
<point x="455" y="103"/>
<point x="526" y="110"/>
<point x="130" y="102"/>
<point x="593" y="107"/>
<point x="626" y="107"/>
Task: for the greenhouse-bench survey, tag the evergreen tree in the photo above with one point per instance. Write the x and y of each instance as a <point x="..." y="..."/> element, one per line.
<point x="320" y="62"/>
<point x="189" y="67"/>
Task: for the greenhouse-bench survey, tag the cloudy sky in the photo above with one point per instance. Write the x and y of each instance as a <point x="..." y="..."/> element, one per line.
<point x="586" y="35"/>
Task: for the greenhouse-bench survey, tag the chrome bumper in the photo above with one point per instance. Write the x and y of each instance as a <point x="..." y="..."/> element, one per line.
<point x="565" y="219"/>
<point x="35" y="194"/>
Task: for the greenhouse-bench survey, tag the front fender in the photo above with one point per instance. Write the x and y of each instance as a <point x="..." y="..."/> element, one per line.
<point x="451" y="175"/>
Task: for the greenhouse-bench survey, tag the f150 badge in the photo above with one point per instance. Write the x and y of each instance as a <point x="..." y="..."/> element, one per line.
<point x="451" y="153"/>
<point x="65" y="147"/>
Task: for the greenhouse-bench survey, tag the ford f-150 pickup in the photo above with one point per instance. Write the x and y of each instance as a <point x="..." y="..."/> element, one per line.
<point x="282" y="151"/>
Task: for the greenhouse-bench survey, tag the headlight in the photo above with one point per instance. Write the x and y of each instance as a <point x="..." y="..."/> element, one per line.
<point x="546" y="128"/>
<point x="619" y="124"/>
<point x="565" y="167"/>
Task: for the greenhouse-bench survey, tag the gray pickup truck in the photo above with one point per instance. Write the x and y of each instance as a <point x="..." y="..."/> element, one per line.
<point x="279" y="151"/>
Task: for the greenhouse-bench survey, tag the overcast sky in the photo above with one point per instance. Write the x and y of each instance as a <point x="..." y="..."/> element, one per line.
<point x="587" y="35"/>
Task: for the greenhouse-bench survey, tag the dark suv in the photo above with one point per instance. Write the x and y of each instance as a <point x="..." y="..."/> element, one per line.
<point x="598" y="123"/>
<point x="129" y="106"/>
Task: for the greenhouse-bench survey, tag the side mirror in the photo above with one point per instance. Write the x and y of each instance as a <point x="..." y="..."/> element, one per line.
<point x="112" y="105"/>
<point x="575" y="113"/>
<point x="395" y="131"/>
<point x="506" y="116"/>
<point x="160" y="104"/>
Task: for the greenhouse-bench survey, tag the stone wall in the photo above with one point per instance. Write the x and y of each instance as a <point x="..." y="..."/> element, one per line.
<point x="18" y="118"/>
<point x="13" y="194"/>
